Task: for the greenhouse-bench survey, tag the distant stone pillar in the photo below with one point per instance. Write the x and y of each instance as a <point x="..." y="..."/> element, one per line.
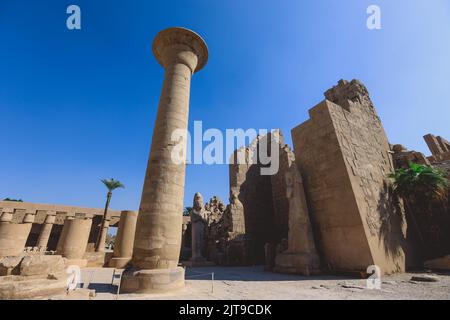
<point x="73" y="240"/>
<point x="13" y="236"/>
<point x="46" y="230"/>
<point x="100" y="245"/>
<point x="123" y="245"/>
<point x="158" y="232"/>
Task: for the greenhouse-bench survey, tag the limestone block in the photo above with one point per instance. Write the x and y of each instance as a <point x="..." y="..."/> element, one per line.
<point x="95" y="259"/>
<point x="32" y="287"/>
<point x="344" y="156"/>
<point x="77" y="294"/>
<point x="41" y="265"/>
<point x="10" y="265"/>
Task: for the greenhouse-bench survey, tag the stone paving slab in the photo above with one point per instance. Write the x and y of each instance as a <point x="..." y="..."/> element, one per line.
<point x="244" y="283"/>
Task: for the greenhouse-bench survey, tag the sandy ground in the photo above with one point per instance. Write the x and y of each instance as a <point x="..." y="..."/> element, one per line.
<point x="239" y="283"/>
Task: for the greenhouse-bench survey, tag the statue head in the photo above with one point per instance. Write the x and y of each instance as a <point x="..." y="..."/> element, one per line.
<point x="198" y="201"/>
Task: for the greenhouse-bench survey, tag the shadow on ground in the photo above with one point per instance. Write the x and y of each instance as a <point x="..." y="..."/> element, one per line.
<point x="255" y="273"/>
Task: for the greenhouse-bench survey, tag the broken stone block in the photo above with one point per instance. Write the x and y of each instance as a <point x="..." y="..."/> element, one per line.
<point x="77" y="294"/>
<point x="9" y="265"/>
<point x="41" y="265"/>
<point x="95" y="259"/>
<point x="31" y="287"/>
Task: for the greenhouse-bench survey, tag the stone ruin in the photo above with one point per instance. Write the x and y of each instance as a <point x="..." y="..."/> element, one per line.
<point x="328" y="208"/>
<point x="343" y="154"/>
<point x="433" y="223"/>
<point x="39" y="242"/>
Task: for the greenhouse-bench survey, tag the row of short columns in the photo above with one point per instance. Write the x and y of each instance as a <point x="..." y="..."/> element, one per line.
<point x="13" y="236"/>
<point x="74" y="236"/>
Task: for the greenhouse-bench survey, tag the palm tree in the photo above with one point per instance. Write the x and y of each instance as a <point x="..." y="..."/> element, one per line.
<point x="111" y="185"/>
<point x="420" y="187"/>
<point x="419" y="183"/>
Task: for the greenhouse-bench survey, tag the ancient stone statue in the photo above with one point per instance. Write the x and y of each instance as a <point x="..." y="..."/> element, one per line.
<point x="198" y="224"/>
<point x="299" y="254"/>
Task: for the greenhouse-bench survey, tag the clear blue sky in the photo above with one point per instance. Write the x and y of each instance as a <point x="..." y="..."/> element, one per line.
<point x="77" y="106"/>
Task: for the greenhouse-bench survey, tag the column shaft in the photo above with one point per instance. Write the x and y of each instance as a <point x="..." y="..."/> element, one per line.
<point x="46" y="230"/>
<point x="123" y="247"/>
<point x="158" y="233"/>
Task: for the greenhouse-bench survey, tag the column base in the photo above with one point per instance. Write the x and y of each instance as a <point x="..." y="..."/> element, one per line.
<point x="152" y="281"/>
<point x="297" y="263"/>
<point x="119" y="263"/>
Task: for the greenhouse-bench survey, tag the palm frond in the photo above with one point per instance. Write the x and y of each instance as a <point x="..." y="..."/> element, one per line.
<point x="112" y="184"/>
<point x="420" y="182"/>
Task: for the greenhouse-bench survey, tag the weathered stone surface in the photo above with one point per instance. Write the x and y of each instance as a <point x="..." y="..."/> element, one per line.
<point x="301" y="256"/>
<point x="77" y="294"/>
<point x="32" y="287"/>
<point x="123" y="247"/>
<point x="94" y="259"/>
<point x="74" y="238"/>
<point x="258" y="203"/>
<point x="402" y="157"/>
<point x="13" y="237"/>
<point x="10" y="265"/>
<point x="216" y="229"/>
<point x="43" y="265"/>
<point x="46" y="229"/>
<point x="439" y="147"/>
<point x="439" y="263"/>
<point x="157" y="242"/>
<point x="344" y="156"/>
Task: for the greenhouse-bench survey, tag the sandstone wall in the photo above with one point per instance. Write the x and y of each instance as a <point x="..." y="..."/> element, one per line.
<point x="263" y="197"/>
<point x="343" y="154"/>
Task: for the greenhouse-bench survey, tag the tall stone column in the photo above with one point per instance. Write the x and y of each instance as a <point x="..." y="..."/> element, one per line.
<point x="158" y="232"/>
<point x="46" y="230"/>
<point x="123" y="248"/>
<point x="13" y="236"/>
